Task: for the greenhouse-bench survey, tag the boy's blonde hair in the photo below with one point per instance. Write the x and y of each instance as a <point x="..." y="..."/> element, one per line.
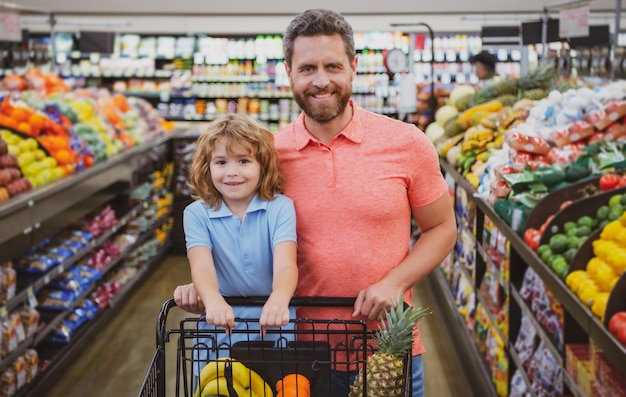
<point x="247" y="132"/>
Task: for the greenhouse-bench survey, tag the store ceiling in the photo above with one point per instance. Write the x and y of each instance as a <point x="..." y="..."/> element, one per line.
<point x="277" y="7"/>
<point x="272" y="16"/>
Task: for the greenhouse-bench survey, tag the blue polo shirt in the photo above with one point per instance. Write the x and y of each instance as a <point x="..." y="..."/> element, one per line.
<point x="242" y="251"/>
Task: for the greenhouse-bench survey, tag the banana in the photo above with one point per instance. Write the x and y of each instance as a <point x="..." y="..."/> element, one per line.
<point x="259" y="386"/>
<point x="219" y="386"/>
<point x="244" y="376"/>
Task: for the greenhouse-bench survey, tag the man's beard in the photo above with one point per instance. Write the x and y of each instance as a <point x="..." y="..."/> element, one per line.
<point x="322" y="113"/>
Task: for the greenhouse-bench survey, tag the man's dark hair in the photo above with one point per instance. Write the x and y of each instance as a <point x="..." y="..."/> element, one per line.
<point x="316" y="22"/>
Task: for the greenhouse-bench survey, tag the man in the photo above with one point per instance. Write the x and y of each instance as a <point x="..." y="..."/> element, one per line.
<point x="356" y="178"/>
<point x="484" y="65"/>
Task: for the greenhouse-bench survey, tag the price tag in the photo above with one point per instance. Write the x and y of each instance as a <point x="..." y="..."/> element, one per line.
<point x="3" y="312"/>
<point x="32" y="299"/>
<point x="46" y="279"/>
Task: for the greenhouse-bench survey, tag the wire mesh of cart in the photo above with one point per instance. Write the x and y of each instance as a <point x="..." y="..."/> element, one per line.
<point x="327" y="352"/>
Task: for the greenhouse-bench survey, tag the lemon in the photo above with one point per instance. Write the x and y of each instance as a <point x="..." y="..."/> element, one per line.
<point x="593" y="265"/>
<point x="622" y="219"/>
<point x="588" y="294"/>
<point x="604" y="278"/>
<point x="611" y="230"/>
<point x="574" y="278"/>
<point x="599" y="304"/>
<point x="583" y="284"/>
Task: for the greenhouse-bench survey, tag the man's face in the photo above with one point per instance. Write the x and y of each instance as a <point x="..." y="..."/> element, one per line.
<point x="321" y="76"/>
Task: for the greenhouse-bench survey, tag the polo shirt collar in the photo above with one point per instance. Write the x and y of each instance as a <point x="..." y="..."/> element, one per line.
<point x="255" y="205"/>
<point x="351" y="131"/>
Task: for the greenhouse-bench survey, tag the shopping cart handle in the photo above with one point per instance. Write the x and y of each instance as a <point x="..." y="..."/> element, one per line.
<point x="323" y="301"/>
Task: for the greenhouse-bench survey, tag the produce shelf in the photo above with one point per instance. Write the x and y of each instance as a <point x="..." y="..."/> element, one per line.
<point x="477" y="376"/>
<point x="614" y="350"/>
<point x="547" y="341"/>
<point x="518" y="364"/>
<point x="25" y="212"/>
<point x="492" y="266"/>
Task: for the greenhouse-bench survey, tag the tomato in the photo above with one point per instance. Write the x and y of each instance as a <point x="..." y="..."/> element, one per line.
<point x="609" y="181"/>
<point x="617" y="323"/>
<point x="532" y="237"/>
<point x="622" y="181"/>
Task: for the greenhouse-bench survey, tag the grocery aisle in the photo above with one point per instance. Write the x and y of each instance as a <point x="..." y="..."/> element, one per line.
<point x="117" y="361"/>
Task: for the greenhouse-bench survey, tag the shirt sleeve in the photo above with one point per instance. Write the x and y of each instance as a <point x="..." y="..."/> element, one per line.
<point x="426" y="181"/>
<point x="283" y="216"/>
<point x="195" y="226"/>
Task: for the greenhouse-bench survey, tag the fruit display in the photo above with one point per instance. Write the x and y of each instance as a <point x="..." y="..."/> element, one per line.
<point x="48" y="131"/>
<point x="34" y="162"/>
<point x="385" y="368"/>
<point x="245" y="381"/>
<point x="11" y="180"/>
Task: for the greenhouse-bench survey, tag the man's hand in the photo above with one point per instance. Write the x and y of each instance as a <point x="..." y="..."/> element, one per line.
<point x="188" y="299"/>
<point x="372" y="301"/>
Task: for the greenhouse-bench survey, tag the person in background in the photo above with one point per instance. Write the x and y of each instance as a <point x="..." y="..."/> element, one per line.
<point x="356" y="179"/>
<point x="484" y="65"/>
<point x="240" y="233"/>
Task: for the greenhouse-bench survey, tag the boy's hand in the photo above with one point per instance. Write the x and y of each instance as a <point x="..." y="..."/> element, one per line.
<point x="220" y="314"/>
<point x="275" y="313"/>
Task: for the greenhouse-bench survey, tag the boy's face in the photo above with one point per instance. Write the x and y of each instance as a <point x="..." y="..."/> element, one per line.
<point x="482" y="72"/>
<point x="235" y="173"/>
<point x="321" y="76"/>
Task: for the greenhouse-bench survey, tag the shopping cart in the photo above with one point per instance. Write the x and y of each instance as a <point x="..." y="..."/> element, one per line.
<point x="322" y="350"/>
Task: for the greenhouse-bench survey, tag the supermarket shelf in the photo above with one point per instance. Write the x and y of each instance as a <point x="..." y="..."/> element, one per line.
<point x="477" y="376"/>
<point x="166" y="96"/>
<point x="198" y="117"/>
<point x="42" y="280"/>
<point x="24" y="213"/>
<point x="522" y="371"/>
<point x="85" y="334"/>
<point x="573" y="387"/>
<point x="615" y="352"/>
<point x="42" y="333"/>
<point x="540" y="331"/>
<point x="492" y="266"/>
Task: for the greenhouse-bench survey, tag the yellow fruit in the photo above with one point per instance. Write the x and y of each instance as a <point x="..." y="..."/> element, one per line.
<point x="611" y="230"/>
<point x="584" y="284"/>
<point x="604" y="278"/>
<point x="622" y="219"/>
<point x="588" y="294"/>
<point x="620" y="238"/>
<point x="599" y="304"/>
<point x="617" y="260"/>
<point x="593" y="265"/>
<point x="574" y="278"/>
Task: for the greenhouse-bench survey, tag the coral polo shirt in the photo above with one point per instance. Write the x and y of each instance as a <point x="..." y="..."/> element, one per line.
<point x="353" y="200"/>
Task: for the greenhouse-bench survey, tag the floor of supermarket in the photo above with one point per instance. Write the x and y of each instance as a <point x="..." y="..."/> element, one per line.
<point x="116" y="362"/>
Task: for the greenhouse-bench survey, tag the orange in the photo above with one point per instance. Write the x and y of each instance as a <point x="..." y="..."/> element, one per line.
<point x="24" y="127"/>
<point x="64" y="157"/>
<point x="38" y="121"/>
<point x="292" y="385"/>
<point x="20" y="114"/>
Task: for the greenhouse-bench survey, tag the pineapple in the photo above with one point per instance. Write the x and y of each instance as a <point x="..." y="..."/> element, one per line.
<point x="543" y="76"/>
<point x="385" y="368"/>
<point x="535" y="94"/>
<point x="507" y="87"/>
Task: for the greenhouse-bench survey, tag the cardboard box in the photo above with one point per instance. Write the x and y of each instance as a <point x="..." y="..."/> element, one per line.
<point x="597" y="390"/>
<point x="585" y="377"/>
<point x="575" y="353"/>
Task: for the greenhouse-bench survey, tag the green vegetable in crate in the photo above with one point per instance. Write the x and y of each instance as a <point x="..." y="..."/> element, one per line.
<point x="558" y="243"/>
<point x="575" y="172"/>
<point x="385" y="368"/>
<point x="549" y="176"/>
